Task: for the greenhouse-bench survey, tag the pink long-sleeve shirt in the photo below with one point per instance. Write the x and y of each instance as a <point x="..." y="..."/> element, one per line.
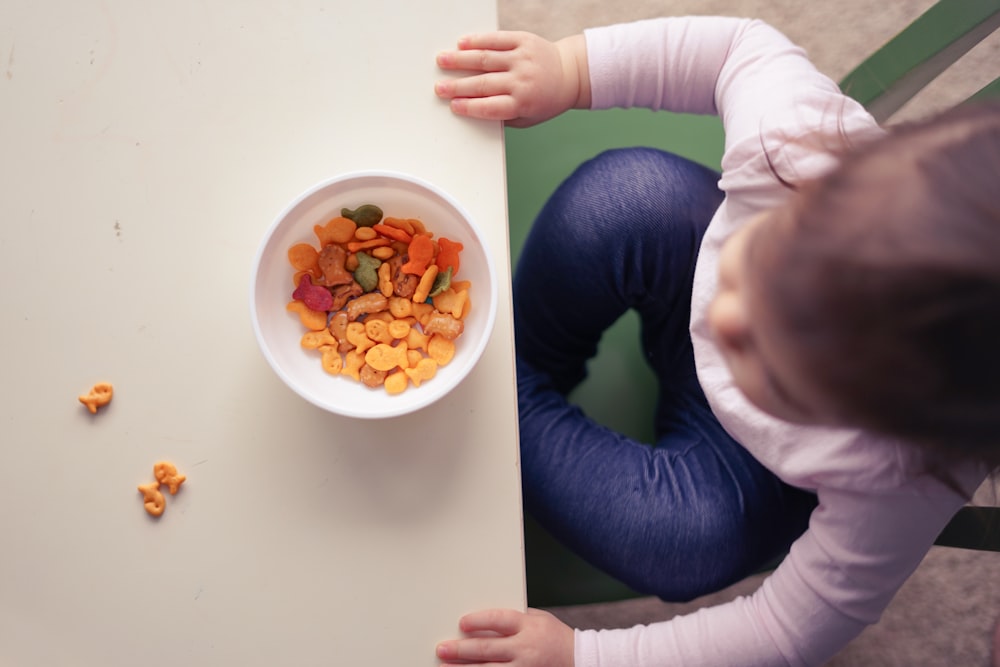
<point x="877" y="515"/>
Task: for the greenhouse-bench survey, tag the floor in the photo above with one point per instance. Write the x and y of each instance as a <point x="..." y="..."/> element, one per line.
<point x="947" y="613"/>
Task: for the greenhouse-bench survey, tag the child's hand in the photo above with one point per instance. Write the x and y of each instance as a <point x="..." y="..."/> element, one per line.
<point x="517" y="77"/>
<point x="532" y="639"/>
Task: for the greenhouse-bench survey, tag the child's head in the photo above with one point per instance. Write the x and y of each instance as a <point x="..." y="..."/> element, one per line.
<point x="878" y="287"/>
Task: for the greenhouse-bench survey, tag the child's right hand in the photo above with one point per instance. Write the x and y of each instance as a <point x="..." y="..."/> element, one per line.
<point x="516" y="77"/>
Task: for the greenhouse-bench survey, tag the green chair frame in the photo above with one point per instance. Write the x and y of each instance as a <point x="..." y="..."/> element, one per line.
<point x="620" y="390"/>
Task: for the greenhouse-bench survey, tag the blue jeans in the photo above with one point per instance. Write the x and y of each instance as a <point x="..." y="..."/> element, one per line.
<point x="694" y="511"/>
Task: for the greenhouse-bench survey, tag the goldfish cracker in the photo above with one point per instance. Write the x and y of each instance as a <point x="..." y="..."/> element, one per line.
<point x="358" y="337"/>
<point x="448" y="255"/>
<point x="413" y="357"/>
<point x="99" y="395"/>
<point x="316" y="297"/>
<point x="396" y="383"/>
<point x="152" y="498"/>
<point x="331" y="360"/>
<point x="440" y="349"/>
<point x="417" y="340"/>
<point x="422" y="311"/>
<point x="166" y="473"/>
<point x="385" y="357"/>
<point x="337" y="230"/>
<point x="314" y="320"/>
<point x="399" y="329"/>
<point x="451" y="302"/>
<point x="303" y="257"/>
<point x="425" y="369"/>
<point x="353" y="361"/>
<point x="314" y="340"/>
<point x="420" y="253"/>
<point x="425" y="284"/>
<point x="400" y="307"/>
<point x="378" y="331"/>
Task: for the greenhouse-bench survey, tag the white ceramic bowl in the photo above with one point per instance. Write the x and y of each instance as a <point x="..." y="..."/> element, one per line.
<point x="279" y="332"/>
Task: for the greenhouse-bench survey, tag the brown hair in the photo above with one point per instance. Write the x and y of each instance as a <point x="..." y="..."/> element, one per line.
<point x="888" y="278"/>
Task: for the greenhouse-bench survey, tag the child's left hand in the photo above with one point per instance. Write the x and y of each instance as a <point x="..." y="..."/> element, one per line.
<point x="532" y="639"/>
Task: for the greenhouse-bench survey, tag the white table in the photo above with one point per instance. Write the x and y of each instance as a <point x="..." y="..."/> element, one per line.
<point x="146" y="147"/>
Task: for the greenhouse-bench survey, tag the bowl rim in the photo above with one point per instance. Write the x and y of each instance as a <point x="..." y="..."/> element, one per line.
<point x="428" y="397"/>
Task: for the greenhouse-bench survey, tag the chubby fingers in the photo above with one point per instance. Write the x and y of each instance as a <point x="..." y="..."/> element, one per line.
<point x="485" y="52"/>
<point x="489" y="642"/>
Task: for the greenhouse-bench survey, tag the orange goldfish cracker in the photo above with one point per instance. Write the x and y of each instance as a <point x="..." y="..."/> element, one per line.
<point x="384" y="357"/>
<point x="337" y="230"/>
<point x="383" y="252"/>
<point x="385" y="285"/>
<point x="351" y="263"/>
<point x="357" y="336"/>
<point x="152" y="498"/>
<point x="400" y="307"/>
<point x="441" y="349"/>
<point x="413" y="357"/>
<point x="303" y="257"/>
<point x="396" y="383"/>
<point x="166" y="473"/>
<point x="452" y="302"/>
<point x="420" y="253"/>
<point x="331" y="361"/>
<point x="378" y="331"/>
<point x="425" y="284"/>
<point x="422" y="311"/>
<point x="417" y="340"/>
<point x="314" y="320"/>
<point x="399" y="328"/>
<point x="314" y="340"/>
<point x="353" y="361"/>
<point x="424" y="370"/>
<point x="99" y="395"/>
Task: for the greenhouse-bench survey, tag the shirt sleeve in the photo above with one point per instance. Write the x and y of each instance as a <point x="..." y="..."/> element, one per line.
<point x="740" y="69"/>
<point x="837" y="579"/>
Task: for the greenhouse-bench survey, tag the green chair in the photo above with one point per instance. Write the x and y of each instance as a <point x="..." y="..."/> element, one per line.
<point x="620" y="390"/>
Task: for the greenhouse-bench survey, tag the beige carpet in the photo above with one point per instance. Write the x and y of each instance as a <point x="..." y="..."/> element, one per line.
<point x="947" y="612"/>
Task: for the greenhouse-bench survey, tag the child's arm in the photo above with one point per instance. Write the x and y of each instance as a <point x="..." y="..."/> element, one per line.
<point x="532" y="639"/>
<point x="516" y="77"/>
